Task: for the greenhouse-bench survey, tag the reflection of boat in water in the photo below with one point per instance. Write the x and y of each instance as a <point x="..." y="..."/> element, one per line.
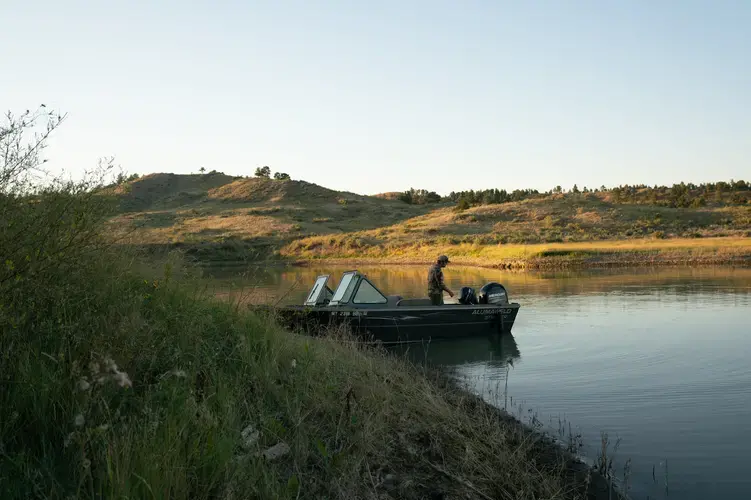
<point x="358" y="303"/>
<point x="493" y="350"/>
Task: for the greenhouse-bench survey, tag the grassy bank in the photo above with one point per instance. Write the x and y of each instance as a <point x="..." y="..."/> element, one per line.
<point x="118" y="387"/>
<point x="634" y="253"/>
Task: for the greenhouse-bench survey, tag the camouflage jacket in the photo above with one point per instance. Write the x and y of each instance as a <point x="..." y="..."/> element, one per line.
<point x="435" y="280"/>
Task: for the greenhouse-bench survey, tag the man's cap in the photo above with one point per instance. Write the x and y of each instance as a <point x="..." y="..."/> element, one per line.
<point x="443" y="258"/>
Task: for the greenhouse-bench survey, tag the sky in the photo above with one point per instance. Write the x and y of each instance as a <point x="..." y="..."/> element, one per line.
<point x="383" y="96"/>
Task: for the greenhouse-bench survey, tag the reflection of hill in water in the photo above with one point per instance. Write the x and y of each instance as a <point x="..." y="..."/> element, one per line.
<point x="495" y="351"/>
<point x="411" y="280"/>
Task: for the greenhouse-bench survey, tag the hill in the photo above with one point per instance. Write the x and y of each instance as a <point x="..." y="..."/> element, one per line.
<point x="239" y="213"/>
<point x="300" y="220"/>
<point x="163" y="191"/>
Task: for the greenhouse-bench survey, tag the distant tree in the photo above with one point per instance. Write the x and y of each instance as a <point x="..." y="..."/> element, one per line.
<point x="202" y="170"/>
<point x="463" y="204"/>
<point x="263" y="172"/>
<point x="431" y="197"/>
<point x="122" y="178"/>
<point x="281" y="176"/>
<point x="558" y="190"/>
<point x="575" y="189"/>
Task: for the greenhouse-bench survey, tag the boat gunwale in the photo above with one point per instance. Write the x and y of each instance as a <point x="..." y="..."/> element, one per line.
<point x="385" y="307"/>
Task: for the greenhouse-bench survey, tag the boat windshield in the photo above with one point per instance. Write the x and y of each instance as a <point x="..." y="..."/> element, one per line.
<point x="368" y="294"/>
<point x="344" y="290"/>
<point x="318" y="288"/>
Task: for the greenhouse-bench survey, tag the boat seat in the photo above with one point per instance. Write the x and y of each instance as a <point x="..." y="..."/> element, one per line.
<point x="393" y="300"/>
<point x="414" y="302"/>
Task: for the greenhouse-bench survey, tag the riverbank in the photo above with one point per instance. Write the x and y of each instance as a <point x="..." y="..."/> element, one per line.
<point x="553" y="256"/>
<point x="115" y="386"/>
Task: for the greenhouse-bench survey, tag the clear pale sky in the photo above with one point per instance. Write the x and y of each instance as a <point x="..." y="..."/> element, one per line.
<point x="387" y="95"/>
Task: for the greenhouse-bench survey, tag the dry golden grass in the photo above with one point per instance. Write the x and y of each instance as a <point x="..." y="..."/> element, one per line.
<point x="710" y="250"/>
<point x="185" y="228"/>
<point x="303" y="221"/>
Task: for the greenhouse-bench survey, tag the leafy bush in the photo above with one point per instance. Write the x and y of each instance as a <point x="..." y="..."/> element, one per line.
<point x="48" y="225"/>
<point x="462" y="205"/>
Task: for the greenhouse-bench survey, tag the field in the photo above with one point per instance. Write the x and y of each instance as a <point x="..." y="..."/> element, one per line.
<point x="217" y="217"/>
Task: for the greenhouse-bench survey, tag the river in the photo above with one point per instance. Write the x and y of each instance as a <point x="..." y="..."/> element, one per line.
<point x="657" y="359"/>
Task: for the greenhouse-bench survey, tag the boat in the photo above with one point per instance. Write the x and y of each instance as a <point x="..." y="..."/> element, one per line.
<point x="370" y="313"/>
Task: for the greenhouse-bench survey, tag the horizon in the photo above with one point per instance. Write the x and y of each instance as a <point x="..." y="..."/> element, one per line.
<point x="381" y="98"/>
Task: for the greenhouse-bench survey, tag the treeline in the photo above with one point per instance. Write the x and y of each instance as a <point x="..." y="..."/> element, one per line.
<point x="492" y="196"/>
<point x="419" y="197"/>
<point x="484" y="197"/>
<point x="685" y="194"/>
<point x="678" y="195"/>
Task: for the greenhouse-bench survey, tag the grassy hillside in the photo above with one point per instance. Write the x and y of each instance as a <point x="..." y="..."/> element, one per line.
<point x="250" y="213"/>
<point x="221" y="217"/>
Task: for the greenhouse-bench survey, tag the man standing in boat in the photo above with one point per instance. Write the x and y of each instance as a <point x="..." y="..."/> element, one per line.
<point x="435" y="281"/>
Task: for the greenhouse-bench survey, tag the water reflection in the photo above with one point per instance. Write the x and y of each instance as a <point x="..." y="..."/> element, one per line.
<point x="493" y="351"/>
<point x="290" y="285"/>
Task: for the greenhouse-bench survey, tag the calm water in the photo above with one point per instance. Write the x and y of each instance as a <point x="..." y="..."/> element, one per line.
<point x="659" y="359"/>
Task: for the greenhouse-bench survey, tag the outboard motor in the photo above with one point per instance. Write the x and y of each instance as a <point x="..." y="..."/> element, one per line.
<point x="493" y="293"/>
<point x="467" y="295"/>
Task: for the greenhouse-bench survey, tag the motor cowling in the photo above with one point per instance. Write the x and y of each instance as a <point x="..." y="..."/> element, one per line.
<point x="493" y="293"/>
<point x="467" y="295"/>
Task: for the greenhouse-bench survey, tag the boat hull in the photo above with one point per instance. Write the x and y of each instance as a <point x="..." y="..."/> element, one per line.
<point x="399" y="324"/>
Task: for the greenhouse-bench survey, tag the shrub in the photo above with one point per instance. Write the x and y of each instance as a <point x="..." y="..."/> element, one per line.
<point x="462" y="205"/>
<point x="47" y="225"/>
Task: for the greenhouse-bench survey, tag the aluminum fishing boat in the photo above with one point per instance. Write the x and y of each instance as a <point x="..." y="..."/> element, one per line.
<point x="393" y="318"/>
